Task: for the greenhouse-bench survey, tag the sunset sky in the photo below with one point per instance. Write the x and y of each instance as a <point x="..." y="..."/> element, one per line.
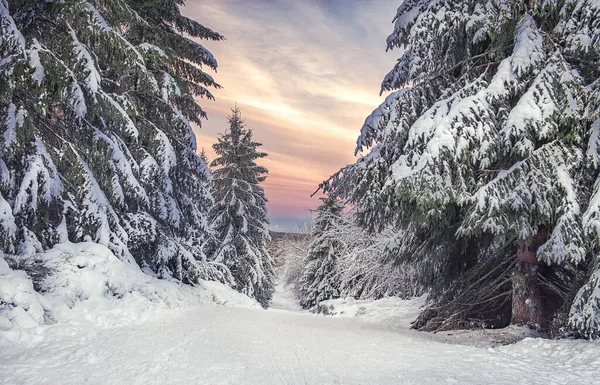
<point x="305" y="74"/>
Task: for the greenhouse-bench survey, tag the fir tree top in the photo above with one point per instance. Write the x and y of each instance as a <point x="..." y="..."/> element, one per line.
<point x="236" y="152"/>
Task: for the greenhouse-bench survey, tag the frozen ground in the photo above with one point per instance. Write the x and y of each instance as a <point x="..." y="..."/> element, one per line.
<point x="207" y="344"/>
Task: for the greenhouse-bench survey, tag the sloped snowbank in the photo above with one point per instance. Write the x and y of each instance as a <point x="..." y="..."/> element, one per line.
<point x="20" y="305"/>
<point x="87" y="282"/>
<point x="391" y="312"/>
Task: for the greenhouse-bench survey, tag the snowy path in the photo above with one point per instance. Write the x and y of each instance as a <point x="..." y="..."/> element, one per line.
<point x="283" y="299"/>
<point x="220" y="345"/>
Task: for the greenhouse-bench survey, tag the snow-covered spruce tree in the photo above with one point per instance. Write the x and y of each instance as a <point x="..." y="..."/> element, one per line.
<point x="345" y="261"/>
<point x="95" y="102"/>
<point x="486" y="158"/>
<point x="319" y="281"/>
<point x="239" y="223"/>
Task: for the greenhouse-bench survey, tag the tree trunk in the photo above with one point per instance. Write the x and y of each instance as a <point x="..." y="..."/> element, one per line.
<point x="528" y="302"/>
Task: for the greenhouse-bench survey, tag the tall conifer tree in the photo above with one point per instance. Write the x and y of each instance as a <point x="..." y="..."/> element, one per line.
<point x="96" y="100"/>
<point x="319" y="281"/>
<point x="485" y="157"/>
<point x="239" y="217"/>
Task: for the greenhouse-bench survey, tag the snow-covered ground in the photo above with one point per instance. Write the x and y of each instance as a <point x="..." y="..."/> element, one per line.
<point x="284" y="299"/>
<point x="392" y="312"/>
<point x="210" y="344"/>
<point x="86" y="281"/>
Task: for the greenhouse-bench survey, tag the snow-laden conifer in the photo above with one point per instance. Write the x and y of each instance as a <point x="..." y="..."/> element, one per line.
<point x="319" y="281"/>
<point x="486" y="148"/>
<point x="96" y="100"/>
<point x="239" y="223"/>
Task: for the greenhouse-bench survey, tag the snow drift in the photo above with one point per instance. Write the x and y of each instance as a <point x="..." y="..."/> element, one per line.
<point x="86" y="281"/>
<point x="390" y="312"/>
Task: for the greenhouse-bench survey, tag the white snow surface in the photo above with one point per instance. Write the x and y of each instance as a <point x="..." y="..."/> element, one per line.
<point x="88" y="283"/>
<point x="27" y="308"/>
<point x="391" y="312"/>
<point x="136" y="340"/>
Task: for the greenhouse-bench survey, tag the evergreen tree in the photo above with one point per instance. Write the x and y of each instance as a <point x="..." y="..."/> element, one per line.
<point x="488" y="150"/>
<point x="319" y="281"/>
<point x="96" y="100"/>
<point x="239" y="216"/>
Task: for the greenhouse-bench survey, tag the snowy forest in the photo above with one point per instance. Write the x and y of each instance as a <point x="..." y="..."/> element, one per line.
<point x="469" y="217"/>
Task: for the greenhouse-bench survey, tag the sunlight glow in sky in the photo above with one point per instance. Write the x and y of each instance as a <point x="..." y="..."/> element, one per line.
<point x="305" y="74"/>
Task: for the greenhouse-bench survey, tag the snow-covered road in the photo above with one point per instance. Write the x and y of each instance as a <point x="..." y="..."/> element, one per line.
<point x="221" y="345"/>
